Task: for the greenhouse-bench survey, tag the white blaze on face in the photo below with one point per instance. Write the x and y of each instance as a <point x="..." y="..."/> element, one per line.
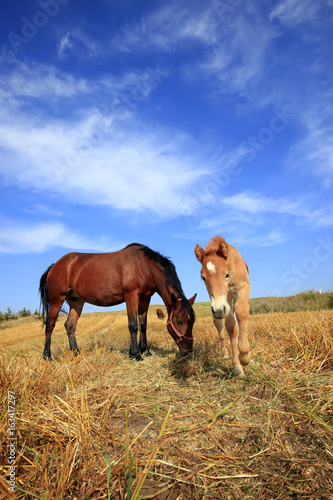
<point x="211" y="267"/>
<point x="219" y="303"/>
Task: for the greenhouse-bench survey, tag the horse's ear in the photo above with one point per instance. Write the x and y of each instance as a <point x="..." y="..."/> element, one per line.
<point x="173" y="299"/>
<point x="223" y="249"/>
<point x="192" y="299"/>
<point x="199" y="253"/>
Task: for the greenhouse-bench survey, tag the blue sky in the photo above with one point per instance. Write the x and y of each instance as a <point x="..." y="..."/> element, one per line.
<point x="167" y="123"/>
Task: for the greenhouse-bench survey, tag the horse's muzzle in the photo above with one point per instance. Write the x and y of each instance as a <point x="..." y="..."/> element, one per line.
<point x="219" y="313"/>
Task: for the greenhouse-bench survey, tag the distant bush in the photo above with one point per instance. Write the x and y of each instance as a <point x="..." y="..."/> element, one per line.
<point x="308" y="300"/>
<point x="329" y="303"/>
<point x="9" y="314"/>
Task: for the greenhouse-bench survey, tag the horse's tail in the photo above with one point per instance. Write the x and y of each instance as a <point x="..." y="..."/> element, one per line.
<point x="44" y="296"/>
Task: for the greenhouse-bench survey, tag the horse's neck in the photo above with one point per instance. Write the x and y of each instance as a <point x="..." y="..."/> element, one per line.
<point x="165" y="292"/>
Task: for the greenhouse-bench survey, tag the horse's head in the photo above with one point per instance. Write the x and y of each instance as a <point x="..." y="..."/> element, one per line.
<point x="215" y="273"/>
<point x="180" y="323"/>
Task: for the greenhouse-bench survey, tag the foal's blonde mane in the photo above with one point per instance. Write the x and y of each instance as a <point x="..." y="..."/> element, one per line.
<point x="218" y="246"/>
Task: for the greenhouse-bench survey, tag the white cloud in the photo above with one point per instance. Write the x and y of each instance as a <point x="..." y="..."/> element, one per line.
<point x="18" y="238"/>
<point x="294" y="12"/>
<point x="97" y="159"/>
<point x="81" y="45"/>
<point x="169" y="28"/>
<point x="255" y="204"/>
<point x="64" y="45"/>
<point x="42" y="81"/>
<point x="237" y="59"/>
<point x="314" y="152"/>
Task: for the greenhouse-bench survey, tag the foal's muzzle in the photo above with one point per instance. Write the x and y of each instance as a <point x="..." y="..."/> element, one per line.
<point x="219" y="313"/>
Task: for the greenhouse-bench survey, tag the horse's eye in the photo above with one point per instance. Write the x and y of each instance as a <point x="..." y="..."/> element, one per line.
<point x="203" y="279"/>
<point x="179" y="322"/>
<point x="227" y="275"/>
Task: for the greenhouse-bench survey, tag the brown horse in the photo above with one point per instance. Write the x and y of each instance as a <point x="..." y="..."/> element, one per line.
<point x="131" y="275"/>
<point x="226" y="277"/>
<point x="160" y="314"/>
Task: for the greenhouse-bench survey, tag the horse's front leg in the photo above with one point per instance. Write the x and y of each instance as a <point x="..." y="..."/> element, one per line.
<point x="232" y="329"/>
<point x="132" y="314"/>
<point x="134" y="351"/>
<point x="143" y="311"/>
<point x="219" y="327"/>
<point x="242" y="310"/>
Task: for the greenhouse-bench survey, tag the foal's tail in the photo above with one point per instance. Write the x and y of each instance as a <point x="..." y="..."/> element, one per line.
<point x="44" y="296"/>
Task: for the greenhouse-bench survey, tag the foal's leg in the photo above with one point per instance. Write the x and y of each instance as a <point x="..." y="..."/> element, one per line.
<point x="76" y="306"/>
<point x="50" y="324"/>
<point x="143" y="310"/>
<point x="232" y="329"/>
<point x="219" y="327"/>
<point x="242" y="310"/>
<point x="132" y="302"/>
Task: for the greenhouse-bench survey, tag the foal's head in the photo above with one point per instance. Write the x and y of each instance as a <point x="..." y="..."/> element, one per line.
<point x="180" y="323"/>
<point x="215" y="273"/>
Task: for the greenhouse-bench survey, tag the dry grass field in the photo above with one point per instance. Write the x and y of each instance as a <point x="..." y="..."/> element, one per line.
<point x="104" y="426"/>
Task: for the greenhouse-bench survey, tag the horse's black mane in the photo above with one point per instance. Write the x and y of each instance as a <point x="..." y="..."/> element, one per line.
<point x="171" y="277"/>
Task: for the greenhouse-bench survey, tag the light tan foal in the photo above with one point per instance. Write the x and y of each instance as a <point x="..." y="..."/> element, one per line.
<point x="226" y="278"/>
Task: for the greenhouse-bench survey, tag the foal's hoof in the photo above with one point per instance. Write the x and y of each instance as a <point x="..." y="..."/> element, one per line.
<point x="238" y="371"/>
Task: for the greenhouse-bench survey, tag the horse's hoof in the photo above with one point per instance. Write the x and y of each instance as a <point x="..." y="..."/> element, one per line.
<point x="238" y="371"/>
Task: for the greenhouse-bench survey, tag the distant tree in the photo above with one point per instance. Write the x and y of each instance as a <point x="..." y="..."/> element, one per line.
<point x="9" y="314"/>
<point x="24" y="312"/>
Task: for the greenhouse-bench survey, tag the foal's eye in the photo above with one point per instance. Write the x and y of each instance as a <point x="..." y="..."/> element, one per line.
<point x="227" y="275"/>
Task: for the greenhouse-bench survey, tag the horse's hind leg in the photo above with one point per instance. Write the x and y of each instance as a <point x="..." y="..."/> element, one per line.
<point x="76" y="306"/>
<point x="143" y="310"/>
<point x="50" y="324"/>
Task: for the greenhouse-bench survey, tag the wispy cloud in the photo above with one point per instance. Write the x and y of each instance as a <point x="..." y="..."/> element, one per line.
<point x="79" y="43"/>
<point x="313" y="154"/>
<point x="64" y="45"/>
<point x="294" y="12"/>
<point x="18" y="238"/>
<point x="255" y="204"/>
<point x="94" y="158"/>
<point x="169" y="28"/>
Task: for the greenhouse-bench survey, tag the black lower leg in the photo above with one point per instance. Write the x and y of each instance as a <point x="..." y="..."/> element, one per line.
<point x="47" y="346"/>
<point x="70" y="328"/>
<point x="143" y="336"/>
<point x="133" y="328"/>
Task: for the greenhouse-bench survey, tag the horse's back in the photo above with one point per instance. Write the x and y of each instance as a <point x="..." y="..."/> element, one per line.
<point x="237" y="263"/>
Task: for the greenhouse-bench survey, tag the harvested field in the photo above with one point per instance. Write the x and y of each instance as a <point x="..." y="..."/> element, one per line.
<point x="104" y="426"/>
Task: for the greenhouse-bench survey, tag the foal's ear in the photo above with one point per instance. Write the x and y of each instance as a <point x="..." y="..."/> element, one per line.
<point x="192" y="299"/>
<point x="199" y="253"/>
<point x="223" y="250"/>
